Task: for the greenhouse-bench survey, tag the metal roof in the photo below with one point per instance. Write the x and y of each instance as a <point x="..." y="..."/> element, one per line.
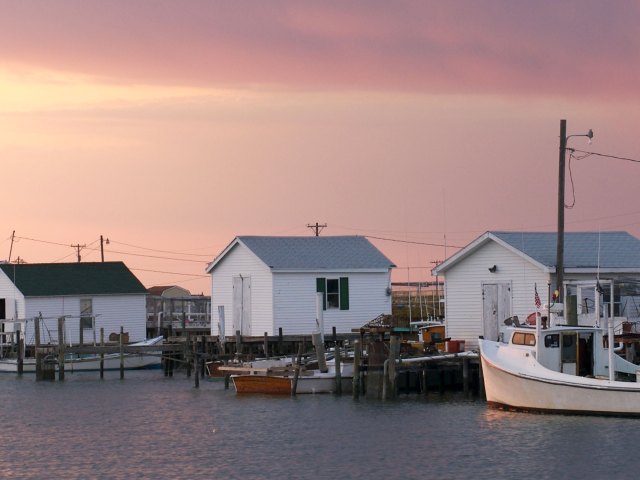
<point x="317" y="253"/>
<point x="55" y="279"/>
<point x="608" y="251"/>
<point x="581" y="249"/>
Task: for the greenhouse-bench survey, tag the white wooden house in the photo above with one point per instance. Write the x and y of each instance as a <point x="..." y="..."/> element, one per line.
<point x="266" y="283"/>
<point x="496" y="277"/>
<point x="95" y="295"/>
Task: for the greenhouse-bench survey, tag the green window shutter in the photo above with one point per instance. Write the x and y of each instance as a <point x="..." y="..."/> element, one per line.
<point x="344" y="293"/>
<point x="321" y="287"/>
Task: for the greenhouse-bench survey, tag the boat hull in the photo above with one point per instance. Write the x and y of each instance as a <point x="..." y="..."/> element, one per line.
<point x="111" y="361"/>
<point x="516" y="381"/>
<point x="281" y="385"/>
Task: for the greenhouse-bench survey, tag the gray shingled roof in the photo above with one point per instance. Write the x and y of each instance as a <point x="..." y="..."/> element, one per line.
<point x="91" y="278"/>
<point x="617" y="249"/>
<point x="317" y="253"/>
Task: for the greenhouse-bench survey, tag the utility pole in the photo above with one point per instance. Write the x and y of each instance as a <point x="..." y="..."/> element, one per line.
<point x="13" y="236"/>
<point x="560" y="239"/>
<point x="436" y="263"/>
<point x="317" y="228"/>
<point x="102" y="241"/>
<point x="78" y="247"/>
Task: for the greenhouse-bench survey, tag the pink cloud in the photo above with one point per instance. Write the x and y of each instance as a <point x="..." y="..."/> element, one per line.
<point x="574" y="47"/>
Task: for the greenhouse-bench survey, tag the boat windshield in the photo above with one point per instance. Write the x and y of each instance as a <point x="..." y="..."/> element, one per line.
<point x="522" y="338"/>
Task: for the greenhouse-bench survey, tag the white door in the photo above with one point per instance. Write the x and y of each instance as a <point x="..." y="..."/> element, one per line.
<point x="242" y="305"/>
<point x="496" y="307"/>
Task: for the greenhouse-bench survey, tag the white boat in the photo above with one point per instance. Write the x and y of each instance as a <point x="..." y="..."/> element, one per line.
<point x="92" y="362"/>
<point x="561" y="369"/>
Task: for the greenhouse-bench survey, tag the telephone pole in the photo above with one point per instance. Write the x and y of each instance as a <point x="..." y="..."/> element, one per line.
<point x="560" y="239"/>
<point x="317" y="228"/>
<point x="78" y="247"/>
<point x="13" y="236"/>
<point x="102" y="241"/>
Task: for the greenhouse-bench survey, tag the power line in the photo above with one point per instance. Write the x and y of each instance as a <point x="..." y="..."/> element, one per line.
<point x="412" y="242"/>
<point x="171" y="273"/>
<point x="605" y="155"/>
<point x="163" y="251"/>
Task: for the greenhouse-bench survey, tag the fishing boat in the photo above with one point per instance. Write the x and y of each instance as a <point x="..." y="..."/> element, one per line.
<point x="284" y="382"/>
<point x="111" y="361"/>
<point x="560" y="368"/>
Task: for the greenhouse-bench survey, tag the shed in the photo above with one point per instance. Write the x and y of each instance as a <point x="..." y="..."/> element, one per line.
<point x="95" y="295"/>
<point x="265" y="283"/>
<point x="497" y="275"/>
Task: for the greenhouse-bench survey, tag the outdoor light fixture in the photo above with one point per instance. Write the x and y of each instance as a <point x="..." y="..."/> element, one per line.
<point x="493" y="269"/>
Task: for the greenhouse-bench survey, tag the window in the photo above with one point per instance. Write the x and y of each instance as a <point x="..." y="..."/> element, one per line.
<point x="86" y="313"/>
<point x="335" y="292"/>
<point x="520" y="338"/>
<point x="552" y="341"/>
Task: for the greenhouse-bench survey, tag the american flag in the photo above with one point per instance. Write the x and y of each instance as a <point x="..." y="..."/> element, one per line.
<point x="536" y="297"/>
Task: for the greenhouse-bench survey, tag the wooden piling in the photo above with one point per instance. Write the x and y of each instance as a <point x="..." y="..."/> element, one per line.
<point x="61" y="349"/>
<point x="296" y="374"/>
<point x="121" y="352"/>
<point x="338" y="365"/>
<point x="265" y="345"/>
<point x="36" y="330"/>
<point x="196" y="374"/>
<point x="101" y="354"/>
<point x="465" y="376"/>
<point x="316" y="340"/>
<point x="280" y="341"/>
<point x="19" y="352"/>
<point x="187" y="353"/>
<point x="357" y="354"/>
<point x="238" y="342"/>
<point x="394" y="344"/>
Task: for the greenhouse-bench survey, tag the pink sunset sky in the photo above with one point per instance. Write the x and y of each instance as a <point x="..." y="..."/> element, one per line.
<point x="171" y="127"/>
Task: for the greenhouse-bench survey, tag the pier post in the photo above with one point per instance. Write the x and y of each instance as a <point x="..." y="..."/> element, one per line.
<point x="280" y="341"/>
<point x="394" y="345"/>
<point x="61" y="349"/>
<point x="465" y="376"/>
<point x="481" y="393"/>
<point x="265" y="345"/>
<point x="316" y="340"/>
<point x="36" y="330"/>
<point x="19" y="352"/>
<point x="296" y="374"/>
<point x="187" y="353"/>
<point x="238" y="342"/>
<point x="101" y="354"/>
<point x="357" y="354"/>
<point x="121" y="352"/>
<point x="227" y="377"/>
<point x="196" y="374"/>
<point x="337" y="361"/>
<point x="425" y="380"/>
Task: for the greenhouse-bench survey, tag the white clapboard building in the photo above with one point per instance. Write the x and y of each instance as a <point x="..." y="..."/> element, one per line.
<point x="496" y="276"/>
<point x="261" y="284"/>
<point x="89" y="295"/>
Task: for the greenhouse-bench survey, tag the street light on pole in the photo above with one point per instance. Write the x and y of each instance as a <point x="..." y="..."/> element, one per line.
<point x="560" y="241"/>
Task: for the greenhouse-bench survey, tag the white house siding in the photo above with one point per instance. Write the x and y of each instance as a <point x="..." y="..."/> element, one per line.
<point x="295" y="302"/>
<point x="240" y="261"/>
<point x="14" y="300"/>
<point x="112" y="311"/>
<point x="463" y="289"/>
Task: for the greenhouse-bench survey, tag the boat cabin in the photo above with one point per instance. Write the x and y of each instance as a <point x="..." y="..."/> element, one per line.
<point x="574" y="350"/>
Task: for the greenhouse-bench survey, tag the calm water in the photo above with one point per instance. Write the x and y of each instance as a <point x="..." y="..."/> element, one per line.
<point x="151" y="427"/>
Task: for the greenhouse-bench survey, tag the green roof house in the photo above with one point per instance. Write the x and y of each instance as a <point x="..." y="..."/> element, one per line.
<point x="90" y="296"/>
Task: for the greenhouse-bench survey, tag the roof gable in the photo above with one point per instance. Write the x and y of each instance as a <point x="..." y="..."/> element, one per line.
<point x="56" y="279"/>
<point x="313" y="253"/>
<point x="582" y="250"/>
